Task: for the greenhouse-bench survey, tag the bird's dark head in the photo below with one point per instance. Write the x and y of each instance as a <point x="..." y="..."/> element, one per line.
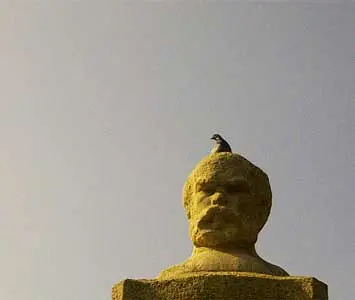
<point x="216" y="137"/>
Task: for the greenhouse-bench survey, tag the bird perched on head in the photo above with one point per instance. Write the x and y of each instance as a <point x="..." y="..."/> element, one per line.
<point x="221" y="144"/>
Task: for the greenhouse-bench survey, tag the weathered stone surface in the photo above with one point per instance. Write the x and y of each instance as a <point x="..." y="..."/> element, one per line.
<point x="222" y="285"/>
<point x="227" y="200"/>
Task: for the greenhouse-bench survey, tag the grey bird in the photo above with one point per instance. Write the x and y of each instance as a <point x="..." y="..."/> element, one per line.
<point x="221" y="144"/>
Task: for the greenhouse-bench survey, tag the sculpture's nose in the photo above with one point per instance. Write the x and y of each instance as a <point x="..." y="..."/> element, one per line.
<point x="218" y="198"/>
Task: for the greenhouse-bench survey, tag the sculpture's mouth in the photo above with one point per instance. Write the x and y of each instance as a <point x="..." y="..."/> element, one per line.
<point x="216" y="218"/>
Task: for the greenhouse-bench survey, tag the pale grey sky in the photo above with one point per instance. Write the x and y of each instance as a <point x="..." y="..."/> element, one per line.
<point x="106" y="106"/>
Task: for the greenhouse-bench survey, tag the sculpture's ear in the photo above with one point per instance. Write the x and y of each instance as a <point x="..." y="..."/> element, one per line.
<point x="188" y="214"/>
<point x="187" y="194"/>
<point x="187" y="208"/>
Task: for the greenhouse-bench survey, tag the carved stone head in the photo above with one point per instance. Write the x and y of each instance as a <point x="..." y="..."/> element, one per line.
<point x="227" y="200"/>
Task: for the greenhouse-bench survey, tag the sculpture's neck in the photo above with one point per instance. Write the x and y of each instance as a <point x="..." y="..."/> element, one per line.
<point x="232" y="250"/>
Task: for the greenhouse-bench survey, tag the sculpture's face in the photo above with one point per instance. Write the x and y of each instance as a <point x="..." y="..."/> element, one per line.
<point x="224" y="209"/>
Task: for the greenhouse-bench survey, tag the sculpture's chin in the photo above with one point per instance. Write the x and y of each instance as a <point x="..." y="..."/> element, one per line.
<point x="212" y="237"/>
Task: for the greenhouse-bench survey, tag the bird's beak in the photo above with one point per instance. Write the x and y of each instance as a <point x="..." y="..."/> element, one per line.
<point x="212" y="138"/>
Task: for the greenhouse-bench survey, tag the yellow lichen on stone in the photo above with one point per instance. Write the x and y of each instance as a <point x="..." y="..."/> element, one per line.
<point x="222" y="286"/>
<point x="227" y="201"/>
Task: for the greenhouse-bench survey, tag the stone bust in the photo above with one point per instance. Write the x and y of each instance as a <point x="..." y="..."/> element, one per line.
<point x="227" y="201"/>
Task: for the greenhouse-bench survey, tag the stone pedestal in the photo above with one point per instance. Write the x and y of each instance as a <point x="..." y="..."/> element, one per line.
<point x="222" y="286"/>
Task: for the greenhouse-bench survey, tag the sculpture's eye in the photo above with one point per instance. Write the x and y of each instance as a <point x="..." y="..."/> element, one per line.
<point x="238" y="187"/>
<point x="208" y="189"/>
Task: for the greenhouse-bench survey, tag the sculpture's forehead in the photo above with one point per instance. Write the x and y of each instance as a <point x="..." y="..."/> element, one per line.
<point x="222" y="166"/>
<point x="218" y="171"/>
